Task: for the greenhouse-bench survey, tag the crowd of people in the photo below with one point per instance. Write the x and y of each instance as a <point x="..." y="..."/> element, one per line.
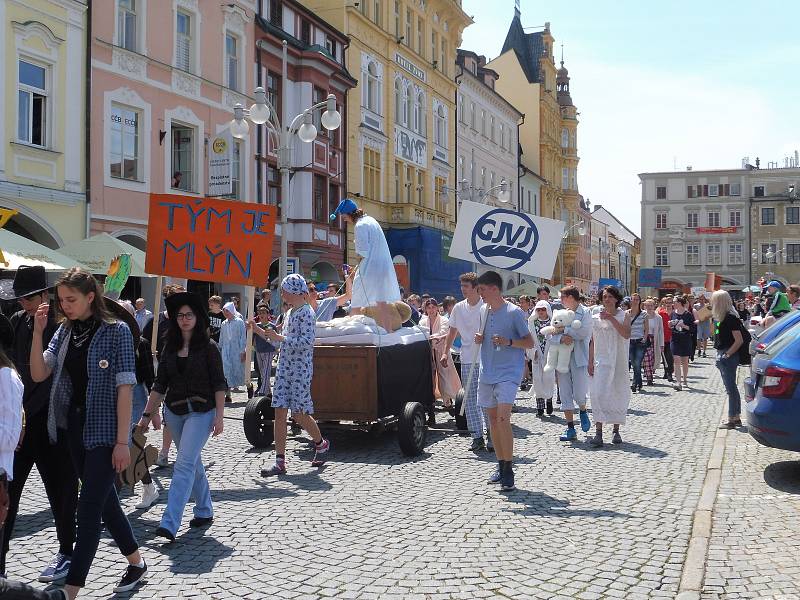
<point x="78" y="383"/>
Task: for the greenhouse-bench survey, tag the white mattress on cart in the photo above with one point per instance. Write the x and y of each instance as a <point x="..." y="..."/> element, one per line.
<point x="403" y="336"/>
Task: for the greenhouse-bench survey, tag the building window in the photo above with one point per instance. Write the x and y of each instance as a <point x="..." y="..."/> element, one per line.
<point x="713" y="254"/>
<point x="318" y="95"/>
<point x="372" y="88"/>
<point x="793" y="215"/>
<point x="183" y="159"/>
<point x="483" y="179"/>
<point x="439" y="196"/>
<point x="434" y="45"/>
<point x="126" y="24"/>
<point x="769" y="248"/>
<point x="692" y="220"/>
<point x="408" y="183"/>
<point x="124" y="143"/>
<point x="397" y="25"/>
<point x="735" y="254"/>
<point x="713" y="219"/>
<point x="483" y="122"/>
<point x="231" y="62"/>
<point x="275" y="13"/>
<point x="274" y="197"/>
<point x="758" y="191"/>
<point x="330" y="46"/>
<point x="420" y="187"/>
<point x="32" y="109"/>
<point x="320" y="204"/>
<point x="661" y="220"/>
<point x="409" y="27"/>
<point x="443" y="57"/>
<point x="690" y="192"/>
<point x="713" y="190"/>
<point x="768" y="216"/>
<point x="564" y="178"/>
<point x="183" y="42"/>
<point x="274" y="91"/>
<point x="377" y="13"/>
<point x="792" y="253"/>
<point x="662" y="257"/>
<point x="420" y="125"/>
<point x="440" y="130"/>
<point x="420" y="35"/>
<point x="372" y="174"/>
<point x="461" y="116"/>
<point x="305" y="32"/>
<point x="472" y="116"/>
<point x="661" y="192"/>
<point x="399" y="111"/>
<point x="564" y="137"/>
<point x="736" y="189"/>
<point x="236" y="170"/>
<point x="491" y="128"/>
<point x="333" y="199"/>
<point x="408" y="106"/>
<point x="692" y="254"/>
<point x="735" y="218"/>
<point x="398" y="181"/>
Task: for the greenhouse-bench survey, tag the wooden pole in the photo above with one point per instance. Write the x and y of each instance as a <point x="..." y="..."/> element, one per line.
<point x="249" y="298"/>
<point x="156" y="313"/>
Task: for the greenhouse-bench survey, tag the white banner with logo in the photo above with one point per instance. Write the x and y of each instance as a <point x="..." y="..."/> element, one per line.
<point x="220" y="164"/>
<point x="502" y="238"/>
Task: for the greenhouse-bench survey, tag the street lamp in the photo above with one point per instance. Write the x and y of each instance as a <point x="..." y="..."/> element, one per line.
<point x="262" y="112"/>
<point x="503" y="190"/>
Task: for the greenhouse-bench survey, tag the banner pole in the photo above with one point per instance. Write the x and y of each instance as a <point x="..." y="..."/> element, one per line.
<point x="156" y="313"/>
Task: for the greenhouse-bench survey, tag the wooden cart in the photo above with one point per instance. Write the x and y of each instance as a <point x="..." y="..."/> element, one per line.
<point x="364" y="387"/>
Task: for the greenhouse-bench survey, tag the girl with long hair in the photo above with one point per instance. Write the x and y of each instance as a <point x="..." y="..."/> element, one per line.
<point x="639" y="335"/>
<point x="681" y="323"/>
<point x="91" y="358"/>
<point x="191" y="383"/>
<point x="728" y="339"/>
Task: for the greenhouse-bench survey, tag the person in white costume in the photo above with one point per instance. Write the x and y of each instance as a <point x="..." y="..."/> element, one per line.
<point x="375" y="283"/>
<point x="609" y="387"/>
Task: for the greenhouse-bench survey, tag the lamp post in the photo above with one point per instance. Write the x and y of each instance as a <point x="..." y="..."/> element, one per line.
<point x="503" y="190"/>
<point x="262" y="112"/>
<point x="581" y="226"/>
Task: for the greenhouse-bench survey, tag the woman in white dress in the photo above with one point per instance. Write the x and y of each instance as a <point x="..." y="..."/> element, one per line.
<point x="609" y="387"/>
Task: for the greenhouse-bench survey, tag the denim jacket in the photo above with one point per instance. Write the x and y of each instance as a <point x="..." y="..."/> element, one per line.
<point x="110" y="364"/>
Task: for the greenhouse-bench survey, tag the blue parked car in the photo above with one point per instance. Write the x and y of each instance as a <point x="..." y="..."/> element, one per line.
<point x="760" y="341"/>
<point x="772" y="393"/>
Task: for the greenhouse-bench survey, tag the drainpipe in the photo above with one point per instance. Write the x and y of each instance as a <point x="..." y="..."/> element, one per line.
<point x="87" y="120"/>
<point x="259" y="128"/>
<point x="345" y="146"/>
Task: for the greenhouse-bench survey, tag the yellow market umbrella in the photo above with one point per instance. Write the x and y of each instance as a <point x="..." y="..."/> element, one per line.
<point x="18" y="250"/>
<point x="97" y="252"/>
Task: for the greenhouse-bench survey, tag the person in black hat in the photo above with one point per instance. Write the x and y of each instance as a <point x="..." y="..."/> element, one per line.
<point x="30" y="289"/>
<point x="191" y="383"/>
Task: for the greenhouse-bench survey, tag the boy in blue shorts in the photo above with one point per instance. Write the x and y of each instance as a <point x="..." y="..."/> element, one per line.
<point x="504" y="328"/>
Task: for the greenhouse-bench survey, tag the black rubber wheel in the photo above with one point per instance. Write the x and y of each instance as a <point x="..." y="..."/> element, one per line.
<point x="250" y="391"/>
<point x="258" y="418"/>
<point x="411" y="431"/>
<point x="461" y="420"/>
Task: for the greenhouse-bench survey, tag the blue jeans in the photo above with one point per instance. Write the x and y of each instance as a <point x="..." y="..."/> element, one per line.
<point x="727" y="370"/>
<point x="138" y="405"/>
<point x="636" y="356"/>
<point x="190" y="432"/>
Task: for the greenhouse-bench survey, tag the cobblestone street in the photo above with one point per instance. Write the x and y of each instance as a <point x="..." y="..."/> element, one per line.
<point x="608" y="523"/>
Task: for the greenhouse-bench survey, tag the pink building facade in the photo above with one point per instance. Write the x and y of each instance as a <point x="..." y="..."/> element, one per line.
<point x="165" y="77"/>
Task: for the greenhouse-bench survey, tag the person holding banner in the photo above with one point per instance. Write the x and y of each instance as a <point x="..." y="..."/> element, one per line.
<point x="505" y="331"/>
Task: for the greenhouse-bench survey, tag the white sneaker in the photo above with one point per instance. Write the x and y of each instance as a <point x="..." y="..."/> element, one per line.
<point x="149" y="496"/>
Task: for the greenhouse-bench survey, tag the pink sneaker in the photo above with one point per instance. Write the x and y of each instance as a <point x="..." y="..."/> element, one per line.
<point x="319" y="453"/>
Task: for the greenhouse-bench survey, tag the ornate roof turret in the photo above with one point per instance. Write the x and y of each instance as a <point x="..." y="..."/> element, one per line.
<point x="562" y="83"/>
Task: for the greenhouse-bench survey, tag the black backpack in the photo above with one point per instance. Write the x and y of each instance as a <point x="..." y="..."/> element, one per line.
<point x="744" y="350"/>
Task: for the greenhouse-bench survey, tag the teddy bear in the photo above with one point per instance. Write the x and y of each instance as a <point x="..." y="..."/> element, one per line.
<point x="558" y="354"/>
<point x="399" y="313"/>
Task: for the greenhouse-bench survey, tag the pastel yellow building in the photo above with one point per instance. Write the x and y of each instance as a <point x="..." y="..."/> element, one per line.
<point x="400" y="121"/>
<point x="530" y="80"/>
<point x="42" y="120"/>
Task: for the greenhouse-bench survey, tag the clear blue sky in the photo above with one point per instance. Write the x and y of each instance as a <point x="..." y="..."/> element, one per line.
<point x="659" y="84"/>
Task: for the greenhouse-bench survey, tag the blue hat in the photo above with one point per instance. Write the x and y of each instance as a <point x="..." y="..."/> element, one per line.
<point x="345" y="207"/>
<point x="776" y="284"/>
<point x="294" y="284"/>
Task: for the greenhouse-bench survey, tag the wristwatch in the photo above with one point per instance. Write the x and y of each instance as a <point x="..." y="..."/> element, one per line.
<point x="510" y="341"/>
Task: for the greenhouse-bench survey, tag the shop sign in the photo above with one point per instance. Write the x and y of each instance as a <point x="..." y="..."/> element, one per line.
<point x="501" y="238"/>
<point x="207" y="239"/>
<point x="220" y="163"/>
<point x="716" y="229"/>
<point x="409" y="66"/>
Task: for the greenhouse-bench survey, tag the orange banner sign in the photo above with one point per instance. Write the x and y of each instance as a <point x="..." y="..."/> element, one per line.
<point x="210" y="240"/>
<point x="716" y="229"/>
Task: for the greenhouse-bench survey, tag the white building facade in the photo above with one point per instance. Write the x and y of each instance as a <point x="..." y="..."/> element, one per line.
<point x="695" y="222"/>
<point x="487" y="139"/>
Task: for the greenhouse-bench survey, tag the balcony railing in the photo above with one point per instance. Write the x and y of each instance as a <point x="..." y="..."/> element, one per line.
<point x="420" y="215"/>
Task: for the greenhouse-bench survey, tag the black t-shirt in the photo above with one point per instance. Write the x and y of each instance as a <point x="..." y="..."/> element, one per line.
<point x="75" y="361"/>
<point x="725" y="329"/>
<point x="215" y="323"/>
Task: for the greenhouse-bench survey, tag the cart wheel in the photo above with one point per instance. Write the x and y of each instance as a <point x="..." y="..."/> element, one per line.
<point x="411" y="430"/>
<point x="258" y="418"/>
<point x="461" y="420"/>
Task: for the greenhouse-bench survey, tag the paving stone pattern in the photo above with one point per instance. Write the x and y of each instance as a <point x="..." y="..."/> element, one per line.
<point x="754" y="551"/>
<point x="584" y="523"/>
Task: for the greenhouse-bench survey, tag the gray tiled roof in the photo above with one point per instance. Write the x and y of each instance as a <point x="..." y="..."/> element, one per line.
<point x="528" y="47"/>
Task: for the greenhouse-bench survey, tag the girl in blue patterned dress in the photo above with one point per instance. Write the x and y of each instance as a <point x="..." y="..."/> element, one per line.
<point x="292" y="388"/>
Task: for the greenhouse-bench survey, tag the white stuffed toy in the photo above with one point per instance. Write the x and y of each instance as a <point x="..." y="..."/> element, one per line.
<point x="558" y="354"/>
